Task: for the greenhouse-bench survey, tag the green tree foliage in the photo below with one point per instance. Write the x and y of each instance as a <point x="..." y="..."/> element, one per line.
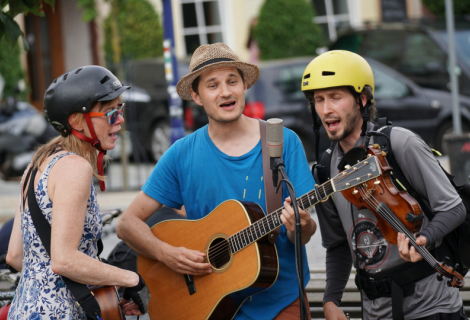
<point x="140" y="31"/>
<point x="286" y="29"/>
<point x="438" y="7"/>
<point x="8" y="26"/>
<point x="10" y="66"/>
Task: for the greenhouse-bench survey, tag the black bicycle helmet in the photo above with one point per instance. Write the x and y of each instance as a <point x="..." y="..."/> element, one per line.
<point x="76" y="91"/>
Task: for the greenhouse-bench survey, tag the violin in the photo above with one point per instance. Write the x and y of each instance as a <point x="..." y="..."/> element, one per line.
<point x="396" y="211"/>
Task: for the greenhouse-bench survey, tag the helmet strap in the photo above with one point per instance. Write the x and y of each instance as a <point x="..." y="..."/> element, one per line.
<point x="365" y="116"/>
<point x="95" y="143"/>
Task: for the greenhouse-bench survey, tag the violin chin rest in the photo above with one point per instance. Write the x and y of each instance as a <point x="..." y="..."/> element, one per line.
<point x="352" y="157"/>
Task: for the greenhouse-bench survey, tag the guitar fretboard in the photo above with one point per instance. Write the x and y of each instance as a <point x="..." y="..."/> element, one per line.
<point x="272" y="221"/>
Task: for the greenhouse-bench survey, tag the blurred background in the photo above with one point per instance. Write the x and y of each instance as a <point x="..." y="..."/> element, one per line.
<point x="404" y="40"/>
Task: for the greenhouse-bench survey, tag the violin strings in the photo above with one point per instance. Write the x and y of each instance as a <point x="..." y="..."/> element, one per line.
<point x="397" y="225"/>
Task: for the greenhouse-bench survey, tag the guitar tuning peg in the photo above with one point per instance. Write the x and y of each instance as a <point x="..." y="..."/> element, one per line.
<point x="455" y="267"/>
<point x="439" y="277"/>
<point x="449" y="283"/>
<point x="347" y="166"/>
<point x="355" y="192"/>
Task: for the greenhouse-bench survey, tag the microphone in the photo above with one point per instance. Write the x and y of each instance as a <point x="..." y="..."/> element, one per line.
<point x="274" y="137"/>
<point x="274" y="144"/>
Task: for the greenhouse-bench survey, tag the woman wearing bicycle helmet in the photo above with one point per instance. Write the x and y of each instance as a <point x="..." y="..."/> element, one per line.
<point x="84" y="106"/>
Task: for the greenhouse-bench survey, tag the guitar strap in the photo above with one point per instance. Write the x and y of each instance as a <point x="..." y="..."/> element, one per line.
<point x="80" y="292"/>
<point x="273" y="199"/>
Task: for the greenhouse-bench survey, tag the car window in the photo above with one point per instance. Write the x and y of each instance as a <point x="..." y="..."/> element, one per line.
<point x="422" y="56"/>
<point x="388" y="87"/>
<point x="290" y="79"/>
<point x="385" y="46"/>
<point x="462" y="44"/>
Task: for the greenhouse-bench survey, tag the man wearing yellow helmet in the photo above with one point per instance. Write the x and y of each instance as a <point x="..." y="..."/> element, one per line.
<point x="339" y="86"/>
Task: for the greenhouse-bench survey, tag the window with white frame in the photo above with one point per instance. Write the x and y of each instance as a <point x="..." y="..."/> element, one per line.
<point x="331" y="15"/>
<point x="201" y="23"/>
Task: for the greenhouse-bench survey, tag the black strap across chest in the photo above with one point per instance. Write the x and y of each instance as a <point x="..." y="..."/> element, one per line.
<point x="80" y="291"/>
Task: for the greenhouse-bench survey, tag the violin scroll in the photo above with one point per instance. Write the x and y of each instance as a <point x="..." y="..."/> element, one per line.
<point x="455" y="279"/>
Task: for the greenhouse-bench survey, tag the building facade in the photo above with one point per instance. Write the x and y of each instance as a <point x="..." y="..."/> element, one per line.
<point x="62" y="41"/>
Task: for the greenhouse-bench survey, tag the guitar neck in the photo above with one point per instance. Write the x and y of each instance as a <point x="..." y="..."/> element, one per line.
<point x="273" y="220"/>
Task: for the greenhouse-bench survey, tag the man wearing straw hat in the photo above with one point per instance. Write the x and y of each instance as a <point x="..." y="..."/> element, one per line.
<point x="222" y="161"/>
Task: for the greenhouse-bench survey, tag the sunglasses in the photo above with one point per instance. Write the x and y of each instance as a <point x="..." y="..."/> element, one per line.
<point x="112" y="115"/>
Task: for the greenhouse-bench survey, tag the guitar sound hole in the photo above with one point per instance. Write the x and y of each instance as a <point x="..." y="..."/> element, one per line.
<point x="219" y="253"/>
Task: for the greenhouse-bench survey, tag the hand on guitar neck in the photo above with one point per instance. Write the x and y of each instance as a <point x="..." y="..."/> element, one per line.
<point x="288" y="219"/>
<point x="408" y="252"/>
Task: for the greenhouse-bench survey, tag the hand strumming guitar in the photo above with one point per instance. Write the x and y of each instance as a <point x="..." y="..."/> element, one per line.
<point x="183" y="260"/>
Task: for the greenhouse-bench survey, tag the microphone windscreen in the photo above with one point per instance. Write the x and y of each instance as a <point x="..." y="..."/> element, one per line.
<point x="274" y="137"/>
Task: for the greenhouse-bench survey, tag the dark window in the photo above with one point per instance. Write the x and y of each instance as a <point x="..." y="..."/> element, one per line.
<point x="340" y="6"/>
<point x="290" y="79"/>
<point x="39" y="55"/>
<point x="192" y="42"/>
<point x="211" y="13"/>
<point x="189" y="15"/>
<point x="385" y="46"/>
<point x="320" y="7"/>
<point x="352" y="42"/>
<point x="388" y="87"/>
<point x="214" y="37"/>
<point x="422" y="56"/>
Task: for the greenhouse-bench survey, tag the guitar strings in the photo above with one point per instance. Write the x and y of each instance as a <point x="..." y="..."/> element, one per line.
<point x="242" y="238"/>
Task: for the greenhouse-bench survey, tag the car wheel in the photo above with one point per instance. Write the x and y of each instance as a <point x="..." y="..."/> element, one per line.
<point x="160" y="141"/>
<point x="446" y="128"/>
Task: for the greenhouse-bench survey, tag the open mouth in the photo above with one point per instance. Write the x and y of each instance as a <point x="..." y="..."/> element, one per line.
<point x="227" y="104"/>
<point x="113" y="135"/>
<point x="332" y="124"/>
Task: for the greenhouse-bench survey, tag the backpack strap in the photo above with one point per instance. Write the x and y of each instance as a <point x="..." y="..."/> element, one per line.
<point x="397" y="174"/>
<point x="273" y="199"/>
<point x="321" y="169"/>
<point x="80" y="292"/>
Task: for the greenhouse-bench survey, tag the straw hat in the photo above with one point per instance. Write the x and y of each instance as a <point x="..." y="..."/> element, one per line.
<point x="211" y="56"/>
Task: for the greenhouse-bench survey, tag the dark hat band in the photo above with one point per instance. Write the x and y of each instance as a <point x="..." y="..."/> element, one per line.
<point x="208" y="62"/>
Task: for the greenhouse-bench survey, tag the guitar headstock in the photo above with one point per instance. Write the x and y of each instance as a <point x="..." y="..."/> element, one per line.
<point x="359" y="173"/>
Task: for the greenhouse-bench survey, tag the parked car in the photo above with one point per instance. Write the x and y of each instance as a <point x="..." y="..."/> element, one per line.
<point x="427" y="112"/>
<point x="418" y="51"/>
<point x="148" y="118"/>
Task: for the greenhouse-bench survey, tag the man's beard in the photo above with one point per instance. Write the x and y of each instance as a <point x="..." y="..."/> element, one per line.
<point x="349" y="126"/>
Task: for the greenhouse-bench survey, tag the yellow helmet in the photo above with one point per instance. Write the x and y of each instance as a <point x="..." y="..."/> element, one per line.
<point x="338" y="68"/>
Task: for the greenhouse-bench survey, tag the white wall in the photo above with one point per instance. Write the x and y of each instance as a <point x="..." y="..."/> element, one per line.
<point x="76" y="36"/>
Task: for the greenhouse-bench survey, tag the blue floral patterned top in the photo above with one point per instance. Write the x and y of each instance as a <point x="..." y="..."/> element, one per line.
<point x="41" y="294"/>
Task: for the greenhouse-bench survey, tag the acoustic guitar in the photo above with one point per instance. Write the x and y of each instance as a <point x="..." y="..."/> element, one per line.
<point x="108" y="299"/>
<point x="234" y="237"/>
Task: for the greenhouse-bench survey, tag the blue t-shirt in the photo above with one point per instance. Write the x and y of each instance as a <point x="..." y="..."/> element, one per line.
<point x="194" y="172"/>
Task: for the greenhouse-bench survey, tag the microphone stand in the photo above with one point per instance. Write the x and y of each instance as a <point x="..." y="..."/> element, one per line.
<point x="277" y="165"/>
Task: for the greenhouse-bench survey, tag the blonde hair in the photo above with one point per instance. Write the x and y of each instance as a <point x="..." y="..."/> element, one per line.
<point x="73" y="144"/>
